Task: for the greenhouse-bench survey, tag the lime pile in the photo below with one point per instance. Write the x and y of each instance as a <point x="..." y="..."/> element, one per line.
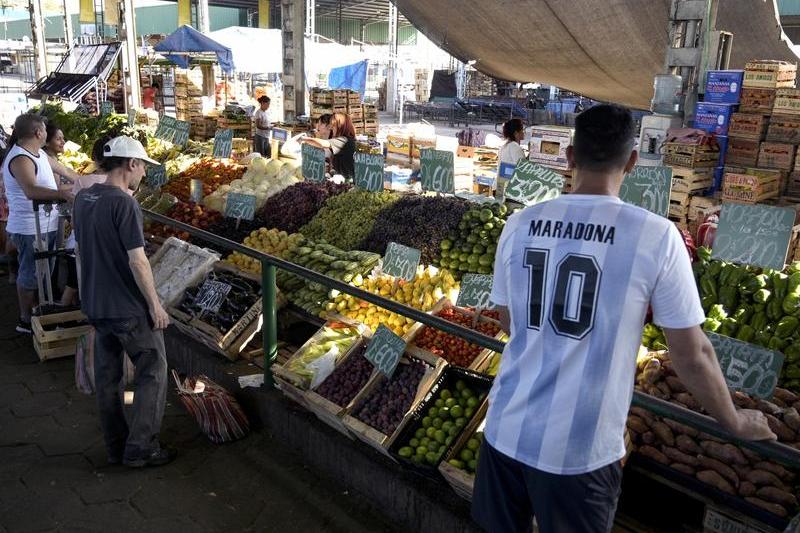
<point x="472" y="246"/>
<point x="467" y="458"/>
<point x="441" y="424"/>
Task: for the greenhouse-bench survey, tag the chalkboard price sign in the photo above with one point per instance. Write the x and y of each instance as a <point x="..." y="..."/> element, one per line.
<point x="166" y="128"/>
<point x="648" y="188"/>
<point x="755" y="235"/>
<point x="156" y="176"/>
<point x="749" y="368"/>
<point x="384" y="350"/>
<point x="181" y="133"/>
<point x="196" y="191"/>
<point x="223" y="143"/>
<point x="437" y="170"/>
<point x="240" y="206"/>
<point x="532" y="183"/>
<point x="313" y="163"/>
<point x="106" y="108"/>
<point x="401" y="261"/>
<point x="475" y="291"/>
<point x="131" y="118"/>
<point x="369" y="171"/>
<point x="212" y="295"/>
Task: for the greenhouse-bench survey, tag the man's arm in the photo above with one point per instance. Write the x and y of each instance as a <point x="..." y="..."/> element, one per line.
<point x="62" y="170"/>
<point x="262" y="124"/>
<point x="697" y="367"/>
<point x="143" y="275"/>
<point x="505" y="318"/>
<point x="24" y="171"/>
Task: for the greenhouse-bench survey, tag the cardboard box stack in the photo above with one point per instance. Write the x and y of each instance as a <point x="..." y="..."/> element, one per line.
<point x="763" y="134"/>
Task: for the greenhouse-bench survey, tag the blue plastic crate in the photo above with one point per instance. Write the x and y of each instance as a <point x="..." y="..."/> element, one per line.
<point x="713" y="118"/>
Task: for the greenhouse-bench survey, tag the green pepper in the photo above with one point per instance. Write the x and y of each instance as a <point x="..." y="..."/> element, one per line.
<point x="793" y="267"/>
<point x="780" y="285"/>
<point x="699" y="269"/>
<point x="725" y="273"/>
<point x="659" y="345"/>
<point x="778" y="344"/>
<point x="786" y="326"/>
<point x="718" y="312"/>
<point x="728" y="327"/>
<point x="746" y="333"/>
<point x="792" y="372"/>
<point x="759" y="308"/>
<point x="775" y="309"/>
<point x="750" y="284"/>
<point x="715" y="268"/>
<point x="791" y="304"/>
<point x="729" y="297"/>
<point x="708" y="301"/>
<point x="704" y="253"/>
<point x="761" y="296"/>
<point x="711" y="324"/>
<point x="741" y="278"/>
<point x="743" y="313"/>
<point x="762" y="337"/>
<point x="759" y="321"/>
<point x="792" y="353"/>
<point x="794" y="284"/>
<point x="708" y="285"/>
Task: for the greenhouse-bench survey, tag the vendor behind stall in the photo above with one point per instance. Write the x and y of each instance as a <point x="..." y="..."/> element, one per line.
<point x="342" y="144"/>
<point x="261" y="119"/>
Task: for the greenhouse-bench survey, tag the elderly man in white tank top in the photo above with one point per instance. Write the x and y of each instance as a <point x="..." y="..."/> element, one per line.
<point x="28" y="176"/>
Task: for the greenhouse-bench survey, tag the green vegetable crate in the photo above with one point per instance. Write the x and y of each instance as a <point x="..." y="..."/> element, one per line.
<point x="233" y="341"/>
<point x="461" y="481"/>
<point x="455" y="381"/>
<point x="375" y="438"/>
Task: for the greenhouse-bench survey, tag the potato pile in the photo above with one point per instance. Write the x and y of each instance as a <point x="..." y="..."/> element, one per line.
<point x="729" y="468"/>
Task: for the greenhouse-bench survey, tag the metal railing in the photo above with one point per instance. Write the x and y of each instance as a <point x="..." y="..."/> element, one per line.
<point x="771" y="450"/>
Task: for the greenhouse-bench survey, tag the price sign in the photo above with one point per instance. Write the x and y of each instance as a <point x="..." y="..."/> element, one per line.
<point x="156" y="176"/>
<point x="755" y="235"/>
<point x="437" y="170"/>
<point x="532" y="183"/>
<point x="717" y="522"/>
<point x="131" y="118"/>
<point x="401" y="261"/>
<point x="384" y="350"/>
<point x="211" y="295"/>
<point x="747" y="367"/>
<point x="196" y="191"/>
<point x="106" y="108"/>
<point x="240" y="206"/>
<point x="475" y="291"/>
<point x="648" y="188"/>
<point x="280" y="134"/>
<point x="166" y="128"/>
<point x="181" y="136"/>
<point x="223" y="143"/>
<point x="313" y="163"/>
<point x="369" y="171"/>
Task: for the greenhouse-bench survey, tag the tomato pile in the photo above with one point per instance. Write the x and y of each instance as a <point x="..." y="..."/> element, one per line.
<point x="455" y="350"/>
<point x="213" y="173"/>
<point x="188" y="213"/>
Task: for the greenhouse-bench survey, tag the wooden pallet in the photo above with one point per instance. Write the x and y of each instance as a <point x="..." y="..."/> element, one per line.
<point x="749" y="189"/>
<point x="691" y="180"/>
<point x="769" y="74"/>
<point x="742" y="152"/>
<point x="690" y="155"/>
<point x="787" y="102"/>
<point x="51" y="343"/>
<point x="748" y="126"/>
<point x="784" y="129"/>
<point x="756" y="100"/>
<point x="679" y="204"/>
<point x="777" y="155"/>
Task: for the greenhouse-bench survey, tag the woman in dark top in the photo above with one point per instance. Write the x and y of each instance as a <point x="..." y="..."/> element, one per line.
<point x="342" y="144"/>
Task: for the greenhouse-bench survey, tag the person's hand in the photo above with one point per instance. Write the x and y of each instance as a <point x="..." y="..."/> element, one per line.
<point x="160" y="317"/>
<point x="751" y="425"/>
<point x="67" y="196"/>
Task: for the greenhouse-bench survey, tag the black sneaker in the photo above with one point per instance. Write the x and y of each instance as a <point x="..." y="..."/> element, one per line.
<point x="23" y="327"/>
<point x="159" y="457"/>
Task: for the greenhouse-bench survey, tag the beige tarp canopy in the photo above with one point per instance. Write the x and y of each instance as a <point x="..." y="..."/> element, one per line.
<point x="605" y="49"/>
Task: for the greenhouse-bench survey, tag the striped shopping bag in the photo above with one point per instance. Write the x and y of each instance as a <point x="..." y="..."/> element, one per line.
<point x="216" y="411"/>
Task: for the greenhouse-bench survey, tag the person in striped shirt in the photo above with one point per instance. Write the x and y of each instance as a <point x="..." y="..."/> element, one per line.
<point x="573" y="279"/>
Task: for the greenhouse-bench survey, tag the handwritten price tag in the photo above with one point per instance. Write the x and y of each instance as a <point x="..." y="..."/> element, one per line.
<point x="532" y="183"/>
<point x="156" y="176"/>
<point x="437" y="170"/>
<point x="240" y="206"/>
<point x="648" y="188"/>
<point x="747" y="367"/>
<point x="401" y="261"/>
<point x="212" y="295"/>
<point x="181" y="136"/>
<point x="313" y="163"/>
<point x="106" y="108"/>
<point x="475" y="291"/>
<point x="223" y="143"/>
<point x="384" y="350"/>
<point x="166" y="128"/>
<point x="369" y="171"/>
<point x="755" y="235"/>
<point x="131" y="117"/>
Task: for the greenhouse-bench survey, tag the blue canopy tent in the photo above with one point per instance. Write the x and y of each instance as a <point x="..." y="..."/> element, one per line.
<point x="352" y="77"/>
<point x="185" y="41"/>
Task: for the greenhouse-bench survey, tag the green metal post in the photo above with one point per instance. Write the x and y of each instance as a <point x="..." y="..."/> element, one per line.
<point x="269" y="329"/>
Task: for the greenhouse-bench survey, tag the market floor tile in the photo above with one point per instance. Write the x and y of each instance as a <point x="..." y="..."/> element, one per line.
<point x="53" y="474"/>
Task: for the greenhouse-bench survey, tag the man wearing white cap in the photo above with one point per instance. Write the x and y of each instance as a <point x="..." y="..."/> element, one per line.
<point x="120" y="300"/>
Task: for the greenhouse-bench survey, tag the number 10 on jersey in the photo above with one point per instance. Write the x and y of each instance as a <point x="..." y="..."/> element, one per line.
<point x="576" y="287"/>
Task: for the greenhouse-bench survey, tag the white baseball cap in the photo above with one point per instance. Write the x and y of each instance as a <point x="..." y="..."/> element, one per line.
<point x="129" y="147"/>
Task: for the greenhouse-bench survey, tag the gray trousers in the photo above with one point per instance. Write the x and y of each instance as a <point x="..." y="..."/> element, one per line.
<point x="145" y="348"/>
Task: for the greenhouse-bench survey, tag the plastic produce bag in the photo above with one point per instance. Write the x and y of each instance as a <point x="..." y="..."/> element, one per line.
<point x="84" y="366"/>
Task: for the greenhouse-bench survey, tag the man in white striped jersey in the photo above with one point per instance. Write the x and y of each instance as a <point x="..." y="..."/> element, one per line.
<point x="573" y="278"/>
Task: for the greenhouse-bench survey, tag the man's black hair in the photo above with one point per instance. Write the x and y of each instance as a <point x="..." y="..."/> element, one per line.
<point x="263" y="99"/>
<point x="604" y="138"/>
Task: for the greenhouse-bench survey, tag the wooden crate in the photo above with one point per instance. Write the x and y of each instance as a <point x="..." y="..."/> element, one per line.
<point x="371" y="436"/>
<point x="230" y="343"/>
<point x="691" y="155"/>
<point x="459" y="480"/>
<point x="356" y="113"/>
<point x="370" y="110"/>
<point x="742" y="152"/>
<point x="784" y="129"/>
<point x="758" y="101"/>
<point x="769" y="74"/>
<point x="679" y="204"/>
<point x="793" y="185"/>
<point x="748" y="126"/>
<point x="777" y="155"/>
<point x="321" y="96"/>
<point x="745" y="188"/>
<point x="52" y="343"/>
<point x="691" y="180"/>
<point x="787" y="102"/>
